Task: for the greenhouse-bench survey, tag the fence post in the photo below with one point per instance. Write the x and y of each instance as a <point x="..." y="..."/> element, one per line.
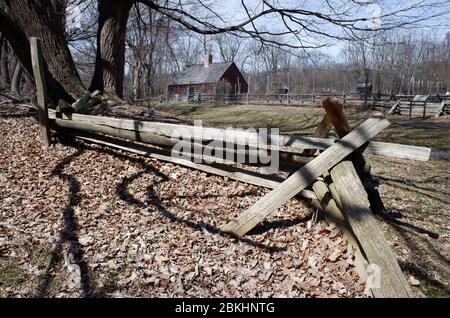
<point x="37" y="62"/>
<point x="424" y="110"/>
<point x="410" y="108"/>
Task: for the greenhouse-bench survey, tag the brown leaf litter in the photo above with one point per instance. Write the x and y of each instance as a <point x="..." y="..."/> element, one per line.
<point x="82" y="220"/>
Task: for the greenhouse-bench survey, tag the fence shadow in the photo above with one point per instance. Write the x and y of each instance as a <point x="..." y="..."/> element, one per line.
<point x="425" y="260"/>
<point x="154" y="200"/>
<point x="69" y="235"/>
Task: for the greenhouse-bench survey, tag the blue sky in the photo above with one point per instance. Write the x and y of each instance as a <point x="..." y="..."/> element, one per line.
<point x="232" y="11"/>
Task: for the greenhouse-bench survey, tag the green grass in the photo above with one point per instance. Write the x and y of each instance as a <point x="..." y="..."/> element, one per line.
<point x="40" y="256"/>
<point x="11" y="275"/>
<point x="432" y="292"/>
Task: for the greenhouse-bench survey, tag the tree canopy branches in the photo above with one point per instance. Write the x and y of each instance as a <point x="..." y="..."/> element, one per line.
<point x="304" y="22"/>
<point x="163" y="36"/>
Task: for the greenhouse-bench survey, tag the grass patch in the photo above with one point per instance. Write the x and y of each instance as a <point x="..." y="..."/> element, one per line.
<point x="57" y="281"/>
<point x="40" y="257"/>
<point x="11" y="275"/>
<point x="432" y="292"/>
<point x="39" y="254"/>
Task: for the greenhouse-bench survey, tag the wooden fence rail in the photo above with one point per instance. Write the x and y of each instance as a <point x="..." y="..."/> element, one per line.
<point x="334" y="179"/>
<point x="294" y="144"/>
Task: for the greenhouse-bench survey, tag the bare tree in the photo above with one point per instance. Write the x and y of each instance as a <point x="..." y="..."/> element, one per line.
<point x="301" y="26"/>
<point x="229" y="46"/>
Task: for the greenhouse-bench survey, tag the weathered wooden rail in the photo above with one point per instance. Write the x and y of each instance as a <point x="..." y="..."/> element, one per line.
<point x="329" y="171"/>
<point x="155" y="131"/>
<point x="416" y="106"/>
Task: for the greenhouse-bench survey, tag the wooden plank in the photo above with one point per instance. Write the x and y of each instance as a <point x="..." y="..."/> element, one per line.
<point x="203" y="133"/>
<point x="394" y="107"/>
<point x="441" y="109"/>
<point x="355" y="203"/>
<point x="331" y="211"/>
<point x="410" y="108"/>
<point x="424" y="109"/>
<point x="305" y="176"/>
<point x="234" y="173"/>
<point x="322" y="131"/>
<point x="295" y="144"/>
<point x="421" y="98"/>
<point x="37" y="61"/>
<point x="287" y="160"/>
<point x="400" y="151"/>
<point x="336" y="113"/>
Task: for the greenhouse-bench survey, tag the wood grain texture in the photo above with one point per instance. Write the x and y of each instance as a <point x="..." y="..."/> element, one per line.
<point x="250" y="156"/>
<point x="305" y="176"/>
<point x="321" y="131"/>
<point x="37" y="62"/>
<point x="294" y="144"/>
<point x="332" y="213"/>
<point x="336" y="113"/>
<point x="354" y="201"/>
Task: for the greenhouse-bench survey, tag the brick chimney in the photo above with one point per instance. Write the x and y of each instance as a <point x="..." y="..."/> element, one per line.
<point x="208" y="60"/>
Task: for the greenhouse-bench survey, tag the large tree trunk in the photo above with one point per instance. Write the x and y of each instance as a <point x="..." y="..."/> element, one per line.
<point x="28" y="18"/>
<point x="59" y="7"/>
<point x="110" y="60"/>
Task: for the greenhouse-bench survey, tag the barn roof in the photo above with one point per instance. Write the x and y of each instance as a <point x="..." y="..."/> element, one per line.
<point x="199" y="74"/>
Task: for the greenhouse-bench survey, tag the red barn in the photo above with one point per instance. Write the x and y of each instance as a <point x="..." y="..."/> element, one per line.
<point x="208" y="78"/>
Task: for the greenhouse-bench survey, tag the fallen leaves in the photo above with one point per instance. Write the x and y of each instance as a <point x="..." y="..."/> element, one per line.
<point x="124" y="225"/>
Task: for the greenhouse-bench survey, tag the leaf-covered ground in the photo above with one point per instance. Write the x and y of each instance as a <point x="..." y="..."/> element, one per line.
<point x="80" y="220"/>
<point x="416" y="194"/>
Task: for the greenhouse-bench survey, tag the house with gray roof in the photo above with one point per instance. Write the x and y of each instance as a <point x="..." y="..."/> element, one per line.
<point x="207" y="78"/>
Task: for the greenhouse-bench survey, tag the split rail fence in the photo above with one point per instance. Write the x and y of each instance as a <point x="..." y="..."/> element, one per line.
<point x="263" y="99"/>
<point x="416" y="105"/>
<point x="329" y="174"/>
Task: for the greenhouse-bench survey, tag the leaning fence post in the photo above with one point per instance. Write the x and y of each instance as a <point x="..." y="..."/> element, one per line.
<point x="41" y="88"/>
